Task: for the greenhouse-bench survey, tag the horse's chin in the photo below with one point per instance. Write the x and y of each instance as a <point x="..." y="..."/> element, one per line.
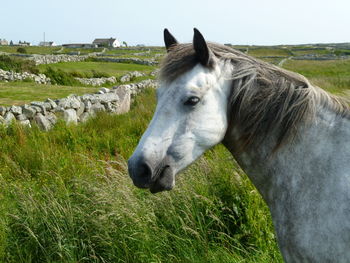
<point x="164" y="182"/>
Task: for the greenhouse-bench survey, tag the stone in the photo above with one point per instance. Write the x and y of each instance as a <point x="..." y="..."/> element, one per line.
<point x="51" y="117"/>
<point x="84" y="117"/>
<point x="28" y="111"/>
<point x="81" y="109"/>
<point x="87" y="105"/>
<point x="125" y="78"/>
<point x="52" y="103"/>
<point x="69" y="102"/>
<point x="9" y="117"/>
<point x="70" y="116"/>
<point x="42" y="122"/>
<point x="2" y="110"/>
<point x="21" y="117"/>
<point x="16" y="110"/>
<point x="124" y="95"/>
<point x="97" y="107"/>
<point x="25" y="123"/>
<point x="105" y="90"/>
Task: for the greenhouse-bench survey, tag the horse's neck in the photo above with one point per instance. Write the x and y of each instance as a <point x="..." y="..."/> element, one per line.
<point x="319" y="149"/>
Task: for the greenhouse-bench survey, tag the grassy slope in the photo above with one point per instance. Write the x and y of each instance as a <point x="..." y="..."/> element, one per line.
<point x="66" y="197"/>
<point x="18" y="93"/>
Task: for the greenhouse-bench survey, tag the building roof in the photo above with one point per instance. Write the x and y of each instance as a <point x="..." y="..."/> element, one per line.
<point x="103" y="40"/>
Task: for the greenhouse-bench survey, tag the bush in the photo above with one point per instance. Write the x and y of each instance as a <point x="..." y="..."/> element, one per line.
<point x="60" y="77"/>
<point x="22" y="50"/>
<point x="99" y="74"/>
<point x="17" y="64"/>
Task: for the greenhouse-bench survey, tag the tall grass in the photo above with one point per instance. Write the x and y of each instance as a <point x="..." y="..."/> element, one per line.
<point x="66" y="197"/>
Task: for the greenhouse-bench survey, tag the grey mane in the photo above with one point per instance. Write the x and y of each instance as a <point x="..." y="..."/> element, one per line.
<point x="264" y="98"/>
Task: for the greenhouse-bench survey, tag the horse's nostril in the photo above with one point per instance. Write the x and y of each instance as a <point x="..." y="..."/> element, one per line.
<point x="140" y="172"/>
<point x="145" y="171"/>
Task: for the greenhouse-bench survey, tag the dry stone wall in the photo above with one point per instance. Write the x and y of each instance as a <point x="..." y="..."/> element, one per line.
<point x="74" y="109"/>
<point x="15" y="76"/>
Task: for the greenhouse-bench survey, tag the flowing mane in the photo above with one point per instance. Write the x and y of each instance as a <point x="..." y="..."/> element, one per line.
<point x="264" y="97"/>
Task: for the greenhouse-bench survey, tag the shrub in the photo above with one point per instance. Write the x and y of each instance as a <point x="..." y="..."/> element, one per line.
<point x="61" y="77"/>
<point x="17" y="64"/>
<point x="22" y="50"/>
<point x="99" y="74"/>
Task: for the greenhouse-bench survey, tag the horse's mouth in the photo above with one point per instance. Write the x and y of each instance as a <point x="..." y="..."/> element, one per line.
<point x="164" y="180"/>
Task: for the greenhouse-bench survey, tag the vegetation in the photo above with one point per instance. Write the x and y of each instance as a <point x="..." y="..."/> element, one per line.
<point x="87" y="68"/>
<point x="60" y="77"/>
<point x="17" y="64"/>
<point x="19" y="93"/>
<point x="21" y="50"/>
<point x="66" y="197"/>
<point x="31" y="49"/>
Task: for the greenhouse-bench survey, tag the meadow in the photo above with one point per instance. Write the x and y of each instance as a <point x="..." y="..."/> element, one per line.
<point x="66" y="195"/>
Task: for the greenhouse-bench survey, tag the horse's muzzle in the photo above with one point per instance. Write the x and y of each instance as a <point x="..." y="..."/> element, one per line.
<point x="145" y="175"/>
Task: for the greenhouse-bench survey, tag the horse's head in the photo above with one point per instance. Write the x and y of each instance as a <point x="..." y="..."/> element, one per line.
<point x="191" y="114"/>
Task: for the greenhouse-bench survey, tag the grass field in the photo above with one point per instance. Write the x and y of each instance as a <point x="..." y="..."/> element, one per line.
<point x="31" y="49"/>
<point x="110" y="68"/>
<point x="66" y="197"/>
<point x="19" y="93"/>
<point x="331" y="75"/>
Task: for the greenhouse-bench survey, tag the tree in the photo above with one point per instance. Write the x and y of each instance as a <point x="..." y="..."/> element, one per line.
<point x="125" y="44"/>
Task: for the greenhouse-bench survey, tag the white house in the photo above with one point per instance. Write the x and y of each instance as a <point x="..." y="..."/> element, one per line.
<point x="106" y="42"/>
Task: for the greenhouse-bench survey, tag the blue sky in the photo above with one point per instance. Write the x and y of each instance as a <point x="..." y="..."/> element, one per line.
<point x="142" y="22"/>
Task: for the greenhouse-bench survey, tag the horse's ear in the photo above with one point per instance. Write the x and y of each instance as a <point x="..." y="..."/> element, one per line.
<point x="169" y="39"/>
<point x="200" y="46"/>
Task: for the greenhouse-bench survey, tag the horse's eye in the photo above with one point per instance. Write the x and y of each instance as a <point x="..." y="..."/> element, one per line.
<point x="192" y="101"/>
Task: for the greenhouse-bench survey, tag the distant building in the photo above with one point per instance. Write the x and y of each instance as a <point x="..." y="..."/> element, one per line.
<point x="106" y="42"/>
<point x="80" y="45"/>
<point x="3" y="42"/>
<point x="47" y="44"/>
<point x="23" y="43"/>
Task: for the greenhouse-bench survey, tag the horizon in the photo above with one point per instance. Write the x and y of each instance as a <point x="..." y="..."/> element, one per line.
<point x="267" y="23"/>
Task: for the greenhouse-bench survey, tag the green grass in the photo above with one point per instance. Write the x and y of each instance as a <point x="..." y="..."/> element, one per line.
<point x="66" y="197"/>
<point x="18" y="93"/>
<point x="262" y="52"/>
<point x="110" y="68"/>
<point x="331" y="75"/>
<point x="31" y="49"/>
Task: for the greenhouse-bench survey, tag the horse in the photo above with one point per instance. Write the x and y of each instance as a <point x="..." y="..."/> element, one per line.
<point x="290" y="137"/>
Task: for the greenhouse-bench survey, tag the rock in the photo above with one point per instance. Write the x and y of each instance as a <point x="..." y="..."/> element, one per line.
<point x="84" y="117"/>
<point x="124" y="95"/>
<point x="105" y="90"/>
<point x="51" y="118"/>
<point x="16" y="110"/>
<point x="97" y="107"/>
<point x="2" y="110"/>
<point x="125" y="78"/>
<point x="28" y="111"/>
<point x="25" y="123"/>
<point x="42" y="122"/>
<point x="81" y="109"/>
<point x="70" y="116"/>
<point x="69" y="102"/>
<point x="9" y="117"/>
<point x="21" y="117"/>
<point x="88" y="105"/>
<point x="52" y="103"/>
